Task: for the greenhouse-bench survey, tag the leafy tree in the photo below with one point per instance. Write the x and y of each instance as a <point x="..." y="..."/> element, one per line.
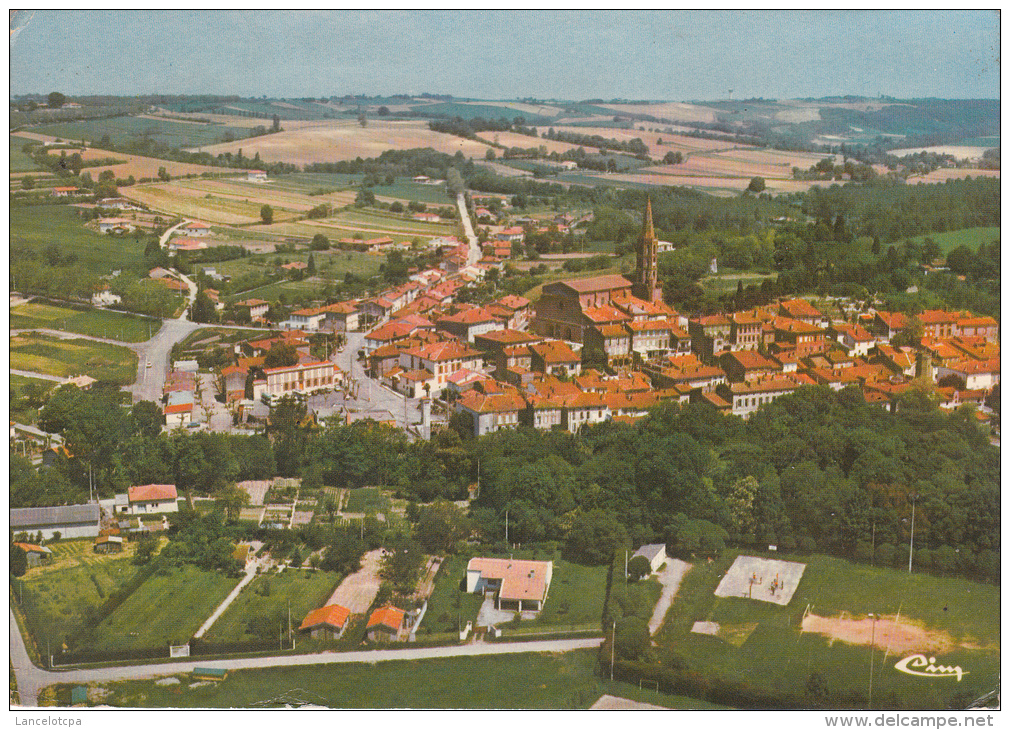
<point x="441" y="526"/>
<point x="203" y="309"/>
<point x="343" y="552"/>
<point x="638" y="568"/>
<point x="232" y="499"/>
<point x="632" y="640"/>
<point x="18" y="561"/>
<point x="757" y="185"/>
<point x="319" y="243"/>
<point x="740" y="502"/>
<point x="673" y="158"/>
<point x="402" y="565"/>
<point x="267" y="215"/>
<point x="146" y="549"/>
<point x="146" y="419"/>
<point x="163" y="174"/>
<point x="365" y="197"/>
<point x="595" y="536"/>
<point x="310" y="269"/>
<point x="55" y="100"/>
<point x="27" y="182"/>
<point x="281" y="355"/>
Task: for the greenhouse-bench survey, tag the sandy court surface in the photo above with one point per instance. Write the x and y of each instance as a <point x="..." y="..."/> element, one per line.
<point x="609" y="702"/>
<point x="357" y="591"/>
<point x="710" y="628"/>
<point x="764" y="573"/>
<point x="897" y="634"/>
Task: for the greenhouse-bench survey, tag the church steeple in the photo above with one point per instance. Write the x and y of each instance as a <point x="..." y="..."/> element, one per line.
<point x="647" y="272"/>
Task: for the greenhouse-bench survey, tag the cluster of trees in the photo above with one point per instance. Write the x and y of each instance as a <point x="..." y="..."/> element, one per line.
<point x="634" y="146"/>
<point x="468" y="128"/>
<point x="816" y="470"/>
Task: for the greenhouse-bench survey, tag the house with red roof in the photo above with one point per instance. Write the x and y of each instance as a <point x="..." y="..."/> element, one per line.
<point x="196" y="228"/>
<point x="153" y="498"/>
<point x="555" y="357"/>
<point x="328" y="622"/>
<point x="746" y="398"/>
<point x="469" y="322"/>
<point x="517" y="585"/>
<point x="491" y="412"/>
<point x="385" y="624"/>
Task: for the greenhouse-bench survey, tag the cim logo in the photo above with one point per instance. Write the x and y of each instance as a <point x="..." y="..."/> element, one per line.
<point x="919" y="666"/>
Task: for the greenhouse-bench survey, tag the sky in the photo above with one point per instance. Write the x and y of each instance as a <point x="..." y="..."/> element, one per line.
<point x="565" y="55"/>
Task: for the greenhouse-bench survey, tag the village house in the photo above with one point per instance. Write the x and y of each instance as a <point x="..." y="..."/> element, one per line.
<point x="114" y="225"/>
<point x="328" y="622"/>
<point x="151" y="498"/>
<point x="746" y="397"/>
<point x="555" y="357"/>
<point x="490" y="412"/>
<point x="747" y="365"/>
<point x="385" y="624"/>
<point x="342" y="316"/>
<point x="256" y="176"/>
<point x="518" y="585"/>
<point x="63" y="191"/>
<point x="197" y="229"/>
<point x="302" y="378"/>
<point x="257" y="308"/>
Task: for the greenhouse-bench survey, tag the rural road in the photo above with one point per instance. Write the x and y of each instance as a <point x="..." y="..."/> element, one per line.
<point x="32" y="679"/>
<point x="250" y="572"/>
<point x="670" y="580"/>
<point x="474" y="254"/>
<point x="40" y="376"/>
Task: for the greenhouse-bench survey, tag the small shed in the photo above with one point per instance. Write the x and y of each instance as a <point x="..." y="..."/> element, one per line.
<point x="79" y="696"/>
<point x="212" y="673"/>
<point x="655" y="554"/>
<point x="109" y="544"/>
<point x="37" y="554"/>
<point x="385" y="624"/>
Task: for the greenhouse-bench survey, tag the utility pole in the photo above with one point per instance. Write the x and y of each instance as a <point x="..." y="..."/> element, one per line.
<point x="911" y="536"/>
<point x="873" y="637"/>
<point x="613" y="643"/>
<point x="506" y="527"/>
<point x="625" y="566"/>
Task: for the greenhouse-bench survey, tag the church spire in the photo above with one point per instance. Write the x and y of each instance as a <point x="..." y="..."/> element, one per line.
<point x="648" y="231"/>
<point x="647" y="271"/>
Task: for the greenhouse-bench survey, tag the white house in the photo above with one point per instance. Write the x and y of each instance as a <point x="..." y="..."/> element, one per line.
<point x="520" y="585"/>
<point x="114" y="225"/>
<point x="196" y="228"/>
<point x="307" y="320"/>
<point x="256" y="176"/>
<point x="153" y="498"/>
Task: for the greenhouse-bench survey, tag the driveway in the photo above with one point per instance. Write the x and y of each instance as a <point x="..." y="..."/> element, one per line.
<point x="669" y="578"/>
<point x="357" y="591"/>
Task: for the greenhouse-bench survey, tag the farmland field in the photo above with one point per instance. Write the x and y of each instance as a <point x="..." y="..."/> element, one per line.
<point x="49" y="355"/>
<point x="21" y="162"/>
<point x="176" y="198"/>
<point x="269" y="596"/>
<point x="36" y="227"/>
<point x="138" y="166"/>
<point x="366" y="499"/>
<point x="764" y="646"/>
<point x="338" y="140"/>
<point x="167" y="608"/>
<point x="126" y="130"/>
<point x="675" y="112"/>
<point x="94" y="322"/>
<point x="329" y="264"/>
<point x="970" y="237"/>
<point x="534" y="681"/>
<point x="951" y="173"/>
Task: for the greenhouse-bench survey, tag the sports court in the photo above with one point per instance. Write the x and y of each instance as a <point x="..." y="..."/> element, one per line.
<point x="762" y="579"/>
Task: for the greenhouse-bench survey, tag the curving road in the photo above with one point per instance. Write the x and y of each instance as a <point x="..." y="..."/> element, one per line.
<point x="31" y="679"/>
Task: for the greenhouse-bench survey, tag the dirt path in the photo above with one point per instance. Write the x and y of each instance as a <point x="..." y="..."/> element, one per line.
<point x="357" y="591"/>
<point x="669" y="578"/>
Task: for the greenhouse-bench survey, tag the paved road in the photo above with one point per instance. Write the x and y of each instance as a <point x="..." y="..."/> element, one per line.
<point x="40" y="376"/>
<point x="670" y="579"/>
<point x="32" y="679"/>
<point x="474" y="254"/>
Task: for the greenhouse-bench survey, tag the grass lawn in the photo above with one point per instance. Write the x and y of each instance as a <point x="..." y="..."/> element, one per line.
<point x="970" y="237"/>
<point x="294" y="290"/>
<point x="18" y="383"/>
<point x="36" y="227"/>
<point x="533" y="681"/>
<point x="168" y="608"/>
<point x="21" y="162"/>
<point x="209" y="336"/>
<point x="330" y="264"/>
<point x="58" y="598"/>
<point x="764" y="646"/>
<point x="67" y="358"/>
<point x="448" y="606"/>
<point x="94" y="322"/>
<point x="269" y="596"/>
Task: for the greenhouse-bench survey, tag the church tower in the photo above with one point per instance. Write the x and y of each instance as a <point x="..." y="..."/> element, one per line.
<point x="646" y="284"/>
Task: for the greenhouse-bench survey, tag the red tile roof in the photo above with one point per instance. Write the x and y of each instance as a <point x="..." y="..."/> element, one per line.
<point x="387" y="617"/>
<point x="153" y="493"/>
<point x="332" y="615"/>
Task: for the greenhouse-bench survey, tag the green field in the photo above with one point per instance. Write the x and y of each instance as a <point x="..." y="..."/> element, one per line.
<point x="270" y="596"/>
<point x="94" y="322"/>
<point x="293" y="291"/>
<point x="58" y="600"/>
<point x="21" y="162"/>
<point x="168" y="608"/>
<point x="763" y="646"/>
<point x="510" y="681"/>
<point x="50" y="355"/>
<point x="128" y="130"/>
<point x="36" y="227"/>
<point x="329" y="264"/>
<point x="970" y="237"/>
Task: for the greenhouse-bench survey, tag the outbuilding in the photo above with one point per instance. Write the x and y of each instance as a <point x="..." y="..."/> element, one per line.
<point x="655" y="554"/>
<point x="328" y="622"/>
